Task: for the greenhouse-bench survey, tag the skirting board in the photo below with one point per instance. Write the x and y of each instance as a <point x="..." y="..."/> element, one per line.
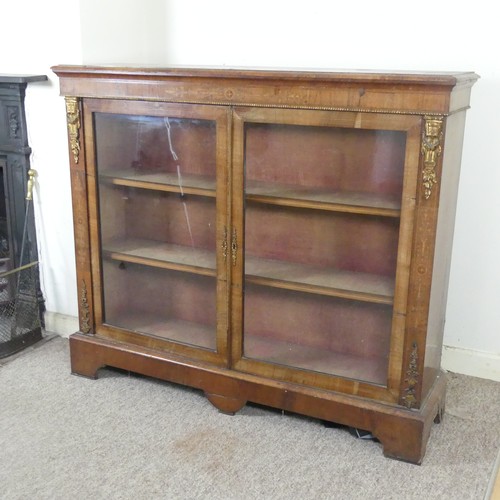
<point x="60" y="324"/>
<point x="466" y="361"/>
<point x="471" y="362"/>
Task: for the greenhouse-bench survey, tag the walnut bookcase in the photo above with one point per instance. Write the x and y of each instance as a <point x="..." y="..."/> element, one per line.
<point x="281" y="237"/>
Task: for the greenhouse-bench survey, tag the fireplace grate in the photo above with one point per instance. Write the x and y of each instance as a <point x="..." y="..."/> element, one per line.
<point x="20" y="324"/>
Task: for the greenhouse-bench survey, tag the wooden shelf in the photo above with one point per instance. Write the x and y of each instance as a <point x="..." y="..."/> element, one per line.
<point x="163" y="255"/>
<point x="322" y="199"/>
<point x="323" y="281"/>
<point x="176" y="330"/>
<point x="162" y="181"/>
<point x="274" y="273"/>
<point x="373" y="370"/>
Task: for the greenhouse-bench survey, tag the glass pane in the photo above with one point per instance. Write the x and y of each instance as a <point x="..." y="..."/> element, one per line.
<point x="172" y="151"/>
<point x="158" y="226"/>
<point x="317" y="333"/>
<point x="321" y="236"/>
<point x="325" y="164"/>
<point x="168" y="304"/>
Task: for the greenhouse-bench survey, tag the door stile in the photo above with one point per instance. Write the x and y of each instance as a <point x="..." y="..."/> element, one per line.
<point x="223" y="203"/>
<point x="406" y="234"/>
<point x="94" y="220"/>
<point x="236" y="238"/>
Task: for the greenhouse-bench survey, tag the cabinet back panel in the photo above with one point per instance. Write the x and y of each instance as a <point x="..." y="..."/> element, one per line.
<point x="344" y="241"/>
<point x="141" y="143"/>
<point x="166" y="217"/>
<point x="151" y="301"/>
<point x="189" y="220"/>
<point x="112" y="206"/>
<point x="117" y="295"/>
<point x="368" y="161"/>
<point x="339" y="325"/>
<point x="188" y="297"/>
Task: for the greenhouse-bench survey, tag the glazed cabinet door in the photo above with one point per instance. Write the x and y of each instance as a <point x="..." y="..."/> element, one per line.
<point x="158" y="176"/>
<point x="323" y="209"/>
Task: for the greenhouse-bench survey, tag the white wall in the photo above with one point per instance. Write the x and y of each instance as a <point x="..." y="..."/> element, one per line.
<point x="387" y="34"/>
<point x="123" y="31"/>
<point x="50" y="34"/>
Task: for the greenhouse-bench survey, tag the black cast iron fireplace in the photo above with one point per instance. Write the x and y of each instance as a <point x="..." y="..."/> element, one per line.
<point x="21" y="300"/>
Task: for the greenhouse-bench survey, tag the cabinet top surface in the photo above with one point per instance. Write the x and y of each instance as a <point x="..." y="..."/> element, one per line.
<point x="449" y="78"/>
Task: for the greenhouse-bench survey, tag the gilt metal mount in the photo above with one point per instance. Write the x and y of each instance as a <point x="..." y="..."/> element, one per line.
<point x="432" y="148"/>
<point x="74" y="125"/>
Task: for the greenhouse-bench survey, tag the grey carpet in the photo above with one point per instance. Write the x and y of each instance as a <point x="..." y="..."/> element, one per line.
<point x="128" y="437"/>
